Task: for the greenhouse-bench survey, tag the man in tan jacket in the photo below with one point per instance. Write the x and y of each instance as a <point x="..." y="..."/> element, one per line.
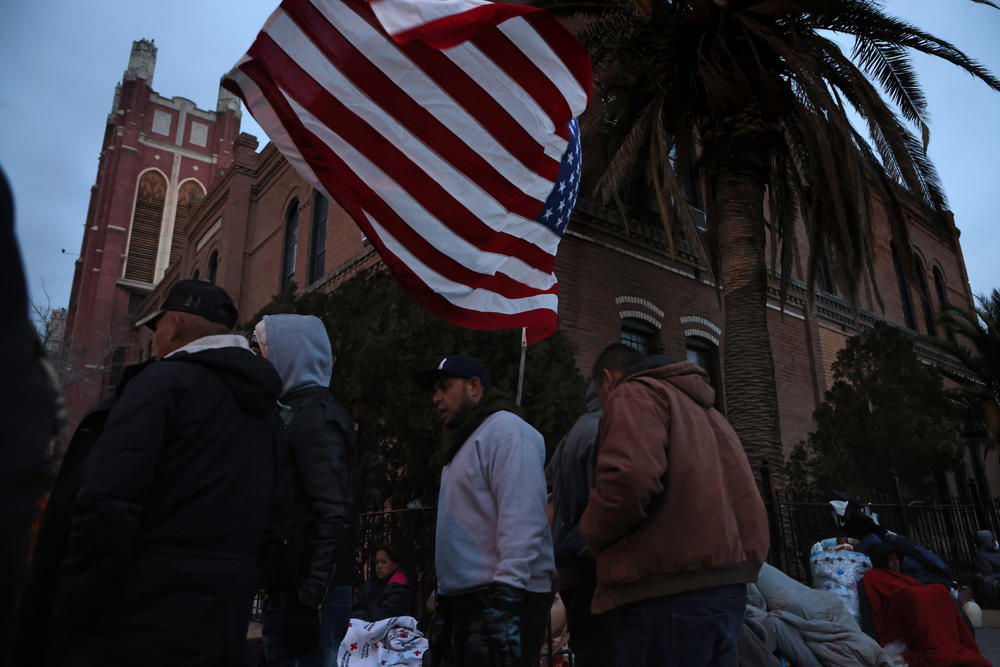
<point x="674" y="519"/>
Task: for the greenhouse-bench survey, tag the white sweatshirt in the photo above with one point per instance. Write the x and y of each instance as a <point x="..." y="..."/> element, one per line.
<point x="491" y="524"/>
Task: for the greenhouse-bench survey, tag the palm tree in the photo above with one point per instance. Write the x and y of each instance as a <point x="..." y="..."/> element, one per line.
<point x="981" y="328"/>
<point x="751" y="101"/>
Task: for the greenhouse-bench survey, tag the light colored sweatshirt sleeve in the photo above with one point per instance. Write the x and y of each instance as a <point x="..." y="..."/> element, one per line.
<point x="514" y="457"/>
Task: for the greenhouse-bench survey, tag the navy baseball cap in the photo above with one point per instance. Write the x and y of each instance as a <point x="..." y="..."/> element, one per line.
<point x="198" y="297"/>
<point x="456" y="365"/>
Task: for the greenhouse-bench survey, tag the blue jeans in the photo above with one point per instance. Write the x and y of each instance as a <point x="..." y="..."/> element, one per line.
<point x="334" y="617"/>
<point x="695" y="629"/>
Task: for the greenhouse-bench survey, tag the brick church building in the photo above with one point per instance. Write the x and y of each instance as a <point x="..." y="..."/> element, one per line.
<point x="180" y="193"/>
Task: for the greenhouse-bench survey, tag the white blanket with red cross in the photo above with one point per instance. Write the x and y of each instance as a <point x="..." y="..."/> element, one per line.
<point x="392" y="641"/>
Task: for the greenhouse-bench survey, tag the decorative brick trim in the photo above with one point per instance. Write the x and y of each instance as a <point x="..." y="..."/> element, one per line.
<point x="697" y="319"/>
<point x="639" y="315"/>
<point x="698" y="333"/>
<point x="639" y="301"/>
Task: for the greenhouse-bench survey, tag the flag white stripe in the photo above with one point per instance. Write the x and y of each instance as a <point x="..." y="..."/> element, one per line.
<point x="509" y="94"/>
<point x="422" y="221"/>
<point x="386" y="56"/>
<point x="537" y="50"/>
<point x="459" y="294"/>
<point x="398" y="16"/>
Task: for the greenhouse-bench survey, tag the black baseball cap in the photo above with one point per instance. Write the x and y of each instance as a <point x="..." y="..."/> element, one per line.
<point x="456" y="365"/>
<point x="197" y="297"/>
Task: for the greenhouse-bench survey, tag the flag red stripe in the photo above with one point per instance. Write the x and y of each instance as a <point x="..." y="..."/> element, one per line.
<point x="565" y="45"/>
<point x="370" y="143"/>
<point x="468" y="94"/>
<point x="451" y="30"/>
<point x="354" y="195"/>
<point x="520" y="68"/>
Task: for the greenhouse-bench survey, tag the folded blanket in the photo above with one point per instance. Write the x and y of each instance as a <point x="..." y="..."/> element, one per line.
<point x="810" y="627"/>
<point x="391" y="641"/>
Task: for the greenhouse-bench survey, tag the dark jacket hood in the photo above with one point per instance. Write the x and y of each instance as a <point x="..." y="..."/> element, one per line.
<point x="254" y="382"/>
<point x="685" y="375"/>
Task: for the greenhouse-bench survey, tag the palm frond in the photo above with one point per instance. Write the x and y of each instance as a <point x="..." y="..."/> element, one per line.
<point x="890" y="64"/>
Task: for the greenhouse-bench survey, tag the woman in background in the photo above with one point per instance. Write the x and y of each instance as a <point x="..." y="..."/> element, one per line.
<point x="390" y="592"/>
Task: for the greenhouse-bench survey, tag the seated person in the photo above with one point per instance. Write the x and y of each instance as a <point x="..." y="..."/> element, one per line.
<point x="389" y="593"/>
<point x="987" y="585"/>
<point x="921" y="616"/>
<point x="988" y="554"/>
<point x="920" y="563"/>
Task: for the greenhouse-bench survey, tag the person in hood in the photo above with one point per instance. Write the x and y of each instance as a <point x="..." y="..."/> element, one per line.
<point x="675" y="519"/>
<point x="920" y="563"/>
<point x="307" y="612"/>
<point x="161" y="559"/>
<point x="493" y="549"/>
<point x="988" y="554"/>
<point x="569" y="474"/>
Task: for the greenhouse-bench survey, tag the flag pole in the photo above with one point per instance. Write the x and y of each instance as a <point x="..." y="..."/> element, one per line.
<point x="520" y="371"/>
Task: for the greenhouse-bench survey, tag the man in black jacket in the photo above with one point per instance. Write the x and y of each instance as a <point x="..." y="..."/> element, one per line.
<point x="306" y="615"/>
<point x="161" y="562"/>
<point x="570" y="475"/>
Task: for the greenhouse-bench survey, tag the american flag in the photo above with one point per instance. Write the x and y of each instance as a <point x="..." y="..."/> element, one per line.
<point x="445" y="128"/>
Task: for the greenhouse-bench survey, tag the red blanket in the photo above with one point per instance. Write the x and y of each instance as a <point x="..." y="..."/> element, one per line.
<point x="922" y="616"/>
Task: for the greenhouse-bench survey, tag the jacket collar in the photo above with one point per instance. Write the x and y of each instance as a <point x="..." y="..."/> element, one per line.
<point x="212" y="343"/>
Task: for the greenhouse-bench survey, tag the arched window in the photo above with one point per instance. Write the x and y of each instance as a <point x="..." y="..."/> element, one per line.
<point x="144" y="239"/>
<point x="703" y="352"/>
<point x="291" y="238"/>
<point x="188" y="196"/>
<point x="641" y="335"/>
<point x="925" y="304"/>
<point x="942" y="298"/>
<point x="213" y="267"/>
<point x="317" y="240"/>
<point x="904" y="289"/>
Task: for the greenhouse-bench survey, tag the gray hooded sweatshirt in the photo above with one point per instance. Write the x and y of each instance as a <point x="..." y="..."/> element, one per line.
<point x="299" y="348"/>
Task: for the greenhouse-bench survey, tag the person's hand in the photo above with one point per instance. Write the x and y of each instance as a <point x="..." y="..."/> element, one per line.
<point x="501" y="626"/>
<point x="301" y="629"/>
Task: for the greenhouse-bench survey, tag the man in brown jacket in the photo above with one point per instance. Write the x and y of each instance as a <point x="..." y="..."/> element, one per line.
<point x="674" y="519"/>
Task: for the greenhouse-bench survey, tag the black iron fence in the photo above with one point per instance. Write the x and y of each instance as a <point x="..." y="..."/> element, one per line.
<point x="946" y="526"/>
<point x="797" y="520"/>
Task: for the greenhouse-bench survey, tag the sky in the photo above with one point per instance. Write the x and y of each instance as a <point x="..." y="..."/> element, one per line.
<point x="60" y="61"/>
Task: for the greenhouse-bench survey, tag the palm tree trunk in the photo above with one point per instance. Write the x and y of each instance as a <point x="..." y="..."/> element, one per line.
<point x="751" y="392"/>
